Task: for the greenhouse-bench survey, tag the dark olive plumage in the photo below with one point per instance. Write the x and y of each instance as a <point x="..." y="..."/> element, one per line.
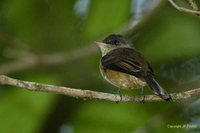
<point x="127" y="60"/>
<point x="114" y="39"/>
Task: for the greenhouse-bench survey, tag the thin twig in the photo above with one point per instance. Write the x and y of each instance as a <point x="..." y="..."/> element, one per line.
<point x="36" y="60"/>
<point x="140" y="18"/>
<point x="183" y="9"/>
<point x="87" y="94"/>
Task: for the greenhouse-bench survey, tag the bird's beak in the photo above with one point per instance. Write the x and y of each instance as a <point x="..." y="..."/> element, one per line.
<point x="100" y="44"/>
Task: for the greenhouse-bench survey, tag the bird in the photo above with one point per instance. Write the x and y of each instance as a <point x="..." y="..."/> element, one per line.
<point x="125" y="67"/>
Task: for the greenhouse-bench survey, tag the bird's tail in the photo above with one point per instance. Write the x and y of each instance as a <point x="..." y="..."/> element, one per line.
<point x="153" y="84"/>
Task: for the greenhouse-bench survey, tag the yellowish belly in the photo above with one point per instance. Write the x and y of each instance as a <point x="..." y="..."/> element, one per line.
<point x="122" y="80"/>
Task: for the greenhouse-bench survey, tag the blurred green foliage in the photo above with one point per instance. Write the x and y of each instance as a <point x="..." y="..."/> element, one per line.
<point x="168" y="40"/>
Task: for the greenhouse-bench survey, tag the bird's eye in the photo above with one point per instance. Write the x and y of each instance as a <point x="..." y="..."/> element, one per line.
<point x="116" y="42"/>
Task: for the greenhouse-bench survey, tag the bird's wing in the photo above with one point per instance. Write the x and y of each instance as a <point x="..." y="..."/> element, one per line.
<point x="126" y="60"/>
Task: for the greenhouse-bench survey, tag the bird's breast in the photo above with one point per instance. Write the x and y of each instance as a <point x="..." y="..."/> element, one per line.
<point x="122" y="80"/>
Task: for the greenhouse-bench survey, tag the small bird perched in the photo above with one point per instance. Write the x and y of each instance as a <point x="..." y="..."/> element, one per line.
<point x="126" y="68"/>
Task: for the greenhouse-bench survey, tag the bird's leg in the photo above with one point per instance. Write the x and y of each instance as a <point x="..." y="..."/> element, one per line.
<point x="142" y="94"/>
<point x="120" y="94"/>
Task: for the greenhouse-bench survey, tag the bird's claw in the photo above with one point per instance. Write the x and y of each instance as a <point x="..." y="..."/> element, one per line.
<point x="120" y="95"/>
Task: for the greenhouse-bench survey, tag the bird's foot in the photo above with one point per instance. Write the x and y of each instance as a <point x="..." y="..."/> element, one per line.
<point x="143" y="100"/>
<point x="120" y="95"/>
<point x="142" y="94"/>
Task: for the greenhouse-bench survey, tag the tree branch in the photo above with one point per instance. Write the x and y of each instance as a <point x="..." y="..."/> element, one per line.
<point x="33" y="60"/>
<point x="182" y="9"/>
<point x="87" y="94"/>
